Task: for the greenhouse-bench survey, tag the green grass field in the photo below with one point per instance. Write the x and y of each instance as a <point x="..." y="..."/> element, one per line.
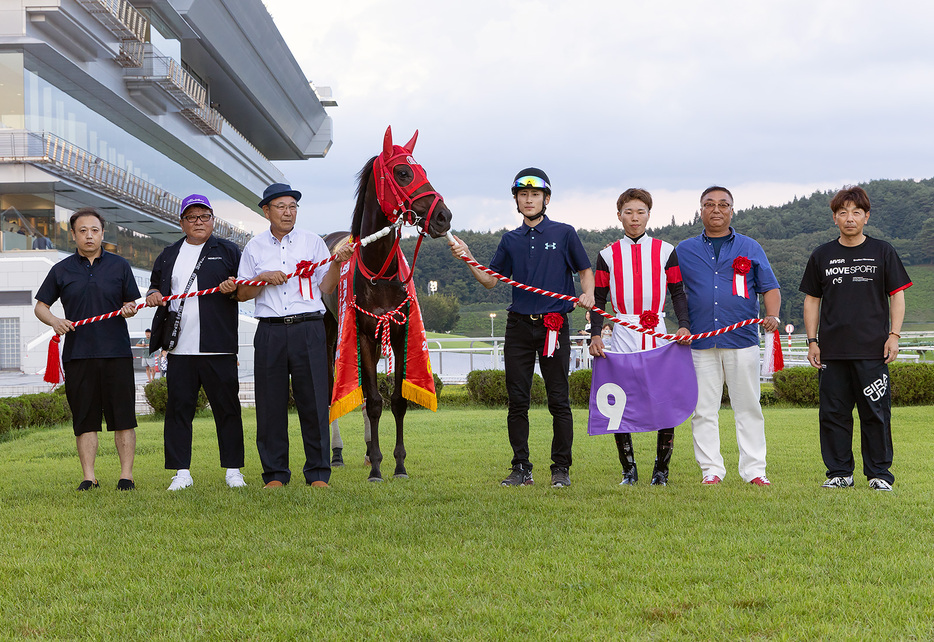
<point x="449" y="554"/>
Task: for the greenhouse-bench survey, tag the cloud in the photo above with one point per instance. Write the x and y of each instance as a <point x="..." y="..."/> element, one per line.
<point x="672" y="96"/>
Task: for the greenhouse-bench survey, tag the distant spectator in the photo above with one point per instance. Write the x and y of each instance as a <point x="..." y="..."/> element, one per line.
<point x="41" y="242"/>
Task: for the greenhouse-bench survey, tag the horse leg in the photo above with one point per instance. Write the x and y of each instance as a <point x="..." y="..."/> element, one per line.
<point x="399" y="406"/>
<point x="397" y="402"/>
<point x="367" y="437"/>
<point x="374" y="408"/>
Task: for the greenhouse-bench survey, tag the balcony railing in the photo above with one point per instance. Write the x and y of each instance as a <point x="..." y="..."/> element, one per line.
<point x="58" y="156"/>
<point x="168" y="74"/>
<point x="119" y="16"/>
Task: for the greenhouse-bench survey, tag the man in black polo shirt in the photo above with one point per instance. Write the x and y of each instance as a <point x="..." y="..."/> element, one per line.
<point x="205" y="353"/>
<point x="544" y="254"/>
<point x="854" y="291"/>
<point x="98" y="360"/>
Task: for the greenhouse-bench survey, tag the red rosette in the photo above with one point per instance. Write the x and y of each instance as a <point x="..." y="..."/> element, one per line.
<point x="742" y="265"/>
<point x="648" y="320"/>
<point x="554" y="321"/>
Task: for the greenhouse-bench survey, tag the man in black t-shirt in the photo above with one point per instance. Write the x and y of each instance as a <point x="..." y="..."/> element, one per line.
<point x="99" y="380"/>
<point x="855" y="292"/>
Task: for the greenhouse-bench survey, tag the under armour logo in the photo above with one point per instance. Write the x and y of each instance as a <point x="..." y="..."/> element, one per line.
<point x="551" y="246"/>
<point x="876" y="390"/>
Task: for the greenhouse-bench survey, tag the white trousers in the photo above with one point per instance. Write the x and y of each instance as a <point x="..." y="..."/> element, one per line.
<point x="740" y="369"/>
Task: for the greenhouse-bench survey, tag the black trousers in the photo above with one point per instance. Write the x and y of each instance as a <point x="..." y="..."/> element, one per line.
<point x="297" y="352"/>
<point x="525" y="338"/>
<point x="185" y="377"/>
<point x="865" y="384"/>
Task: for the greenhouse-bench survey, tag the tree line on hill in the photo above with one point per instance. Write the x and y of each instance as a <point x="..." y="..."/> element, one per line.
<point x="902" y="214"/>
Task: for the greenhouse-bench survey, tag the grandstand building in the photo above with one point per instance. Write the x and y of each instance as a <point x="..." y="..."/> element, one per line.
<point x="129" y="106"/>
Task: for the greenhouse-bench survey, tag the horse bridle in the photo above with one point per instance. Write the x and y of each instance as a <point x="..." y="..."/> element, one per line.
<point x="398" y="201"/>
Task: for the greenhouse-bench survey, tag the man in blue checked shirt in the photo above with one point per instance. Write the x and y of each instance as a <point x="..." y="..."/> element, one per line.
<point x="723" y="273"/>
<point x="544" y="254"/>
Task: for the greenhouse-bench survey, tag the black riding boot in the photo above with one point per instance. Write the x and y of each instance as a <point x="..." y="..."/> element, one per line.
<point x="666" y="440"/>
<point x="626" y="458"/>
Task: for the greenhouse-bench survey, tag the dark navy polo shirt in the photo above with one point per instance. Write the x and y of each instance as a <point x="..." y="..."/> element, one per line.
<point x="545" y="256"/>
<point x="88" y="290"/>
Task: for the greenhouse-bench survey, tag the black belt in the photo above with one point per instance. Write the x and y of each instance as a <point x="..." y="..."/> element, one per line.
<point x="293" y="318"/>
<point x="532" y="318"/>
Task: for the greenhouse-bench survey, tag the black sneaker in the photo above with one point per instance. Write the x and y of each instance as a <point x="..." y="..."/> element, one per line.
<point x="87" y="484"/>
<point x="337" y="460"/>
<point x="520" y="476"/>
<point x="126" y="484"/>
<point x="660" y="478"/>
<point x="560" y="478"/>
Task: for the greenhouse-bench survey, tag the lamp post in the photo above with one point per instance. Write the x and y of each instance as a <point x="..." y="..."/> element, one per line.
<point x="492" y="316"/>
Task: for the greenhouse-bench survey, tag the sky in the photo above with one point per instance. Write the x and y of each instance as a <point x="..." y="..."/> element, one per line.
<point x="773" y="100"/>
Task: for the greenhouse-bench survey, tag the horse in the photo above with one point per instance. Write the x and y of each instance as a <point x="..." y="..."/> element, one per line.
<point x="390" y="185"/>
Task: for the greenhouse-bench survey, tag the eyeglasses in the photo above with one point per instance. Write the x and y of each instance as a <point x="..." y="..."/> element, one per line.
<point x="279" y="207"/>
<point x="710" y="206"/>
<point x="532" y="182"/>
<point x="204" y="218"/>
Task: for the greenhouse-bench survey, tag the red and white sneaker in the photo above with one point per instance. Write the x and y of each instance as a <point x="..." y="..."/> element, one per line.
<point x="761" y="481"/>
<point x="711" y="480"/>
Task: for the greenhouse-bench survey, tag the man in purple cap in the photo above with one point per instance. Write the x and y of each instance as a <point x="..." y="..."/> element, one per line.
<point x="200" y="334"/>
<point x="289" y="345"/>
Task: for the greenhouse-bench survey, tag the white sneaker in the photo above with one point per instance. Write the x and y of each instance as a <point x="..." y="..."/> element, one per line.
<point x="181" y="481"/>
<point x="879" y="484"/>
<point x="235" y="478"/>
<point x="839" y="482"/>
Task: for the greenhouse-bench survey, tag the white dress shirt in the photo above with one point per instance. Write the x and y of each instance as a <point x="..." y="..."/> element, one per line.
<point x="265" y="253"/>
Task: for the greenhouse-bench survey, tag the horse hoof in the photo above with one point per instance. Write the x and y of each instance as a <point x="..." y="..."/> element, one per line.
<point x="375" y="479"/>
<point x="400" y="476"/>
<point x="366" y="461"/>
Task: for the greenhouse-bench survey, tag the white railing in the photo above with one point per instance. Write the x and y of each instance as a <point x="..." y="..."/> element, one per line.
<point x="120" y="17"/>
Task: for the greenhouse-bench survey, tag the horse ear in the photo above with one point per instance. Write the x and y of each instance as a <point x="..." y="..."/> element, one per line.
<point x="387" y="142"/>
<point x="410" y="146"/>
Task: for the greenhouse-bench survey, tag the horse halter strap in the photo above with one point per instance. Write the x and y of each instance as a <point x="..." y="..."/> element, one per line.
<point x="394" y="199"/>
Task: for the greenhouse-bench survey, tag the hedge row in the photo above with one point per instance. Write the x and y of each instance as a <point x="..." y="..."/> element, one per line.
<point x="912" y="384"/>
<point x="157" y="394"/>
<point x="488" y="388"/>
<point x="41" y="409"/>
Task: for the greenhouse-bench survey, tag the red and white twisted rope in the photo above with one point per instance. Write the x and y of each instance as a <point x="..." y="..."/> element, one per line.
<point x="632" y="326"/>
<point x="396" y="316"/>
<point x="303" y="272"/>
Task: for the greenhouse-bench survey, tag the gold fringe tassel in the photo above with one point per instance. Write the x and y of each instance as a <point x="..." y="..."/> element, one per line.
<point x="419" y="395"/>
<point x="342" y="406"/>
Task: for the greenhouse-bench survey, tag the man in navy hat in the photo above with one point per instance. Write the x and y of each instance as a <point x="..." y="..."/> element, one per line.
<point x="200" y="334"/>
<point x="290" y="340"/>
<point x="544" y="254"/>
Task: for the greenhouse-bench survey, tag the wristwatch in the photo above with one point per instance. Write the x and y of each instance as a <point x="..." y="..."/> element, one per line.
<point x="812" y="340"/>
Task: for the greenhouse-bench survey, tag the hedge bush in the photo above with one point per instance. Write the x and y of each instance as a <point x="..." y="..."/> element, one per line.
<point x="488" y="387"/>
<point x="157" y="394"/>
<point x="912" y="384"/>
<point x="25" y="411"/>
<point x="797" y="385"/>
<point x="6" y="418"/>
<point x="579" y="381"/>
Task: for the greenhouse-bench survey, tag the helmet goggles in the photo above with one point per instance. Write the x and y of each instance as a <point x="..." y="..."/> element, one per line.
<point x="531" y="182"/>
